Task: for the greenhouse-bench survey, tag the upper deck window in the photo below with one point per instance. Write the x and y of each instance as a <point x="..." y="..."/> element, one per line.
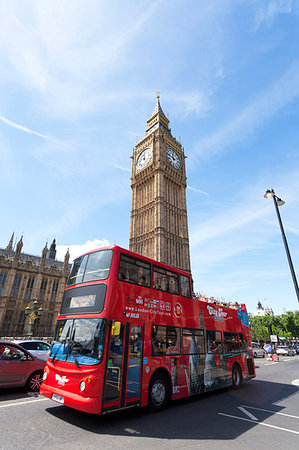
<point x="165" y="280"/>
<point x="185" y="286"/>
<point x="92" y="267"/>
<point x="134" y="271"/>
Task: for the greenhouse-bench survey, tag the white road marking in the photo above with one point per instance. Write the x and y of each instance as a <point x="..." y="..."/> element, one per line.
<point x="270" y="364"/>
<point x="269" y="410"/>
<point x="129" y="430"/>
<point x="295" y="382"/>
<point x="251" y="416"/>
<point x="259" y="423"/>
<point x="23" y="403"/>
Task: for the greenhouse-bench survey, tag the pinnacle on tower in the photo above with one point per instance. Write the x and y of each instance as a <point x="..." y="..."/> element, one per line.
<point x="19" y="246"/>
<point x="157" y="117"/>
<point x="10" y="244"/>
<point x="52" y="251"/>
<point x="158" y="108"/>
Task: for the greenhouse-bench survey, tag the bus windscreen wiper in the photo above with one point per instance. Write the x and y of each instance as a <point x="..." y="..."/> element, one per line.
<point x="54" y="357"/>
<point x="76" y="361"/>
<point x="69" y="350"/>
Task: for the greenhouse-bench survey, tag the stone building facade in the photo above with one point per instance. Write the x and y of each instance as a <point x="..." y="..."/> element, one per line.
<point x="159" y="226"/>
<point x="25" y="278"/>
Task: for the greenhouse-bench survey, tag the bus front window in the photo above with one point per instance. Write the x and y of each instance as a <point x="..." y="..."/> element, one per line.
<point x="92" y="267"/>
<point x="79" y="340"/>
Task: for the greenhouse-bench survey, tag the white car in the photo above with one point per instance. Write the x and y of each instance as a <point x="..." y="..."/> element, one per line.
<point x="284" y="350"/>
<point x="257" y="350"/>
<point x="39" y="349"/>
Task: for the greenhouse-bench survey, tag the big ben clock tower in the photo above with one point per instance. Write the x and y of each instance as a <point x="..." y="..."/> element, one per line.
<point x="159" y="227"/>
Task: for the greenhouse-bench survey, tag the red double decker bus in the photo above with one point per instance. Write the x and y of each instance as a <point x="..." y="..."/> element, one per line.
<point x="130" y="333"/>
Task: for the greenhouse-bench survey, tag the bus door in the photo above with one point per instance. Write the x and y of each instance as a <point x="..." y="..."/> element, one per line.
<point x="122" y="385"/>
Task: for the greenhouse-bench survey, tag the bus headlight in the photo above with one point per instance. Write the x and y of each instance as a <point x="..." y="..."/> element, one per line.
<point x="82" y="386"/>
<point x="45" y="375"/>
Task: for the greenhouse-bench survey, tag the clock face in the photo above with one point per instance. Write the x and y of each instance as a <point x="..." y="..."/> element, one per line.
<point x="143" y="158"/>
<point x="173" y="158"/>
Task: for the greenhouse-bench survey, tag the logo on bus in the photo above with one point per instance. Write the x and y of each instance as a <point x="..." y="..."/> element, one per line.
<point x="178" y="310"/>
<point x="217" y="313"/>
<point x="61" y="380"/>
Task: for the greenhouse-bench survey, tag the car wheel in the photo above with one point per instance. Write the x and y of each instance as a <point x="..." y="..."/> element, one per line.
<point x="236" y="377"/>
<point x="158" y="394"/>
<point x="34" y="381"/>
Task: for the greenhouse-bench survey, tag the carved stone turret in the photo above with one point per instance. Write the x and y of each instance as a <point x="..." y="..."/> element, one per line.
<point x="52" y="251"/>
<point x="44" y="255"/>
<point x="65" y="268"/>
<point x="10" y="244"/>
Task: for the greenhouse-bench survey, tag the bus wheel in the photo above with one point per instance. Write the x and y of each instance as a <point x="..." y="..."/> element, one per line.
<point x="158" y="393"/>
<point x="236" y="377"/>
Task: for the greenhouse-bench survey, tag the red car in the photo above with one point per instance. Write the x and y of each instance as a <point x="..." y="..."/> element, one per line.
<point x="19" y="368"/>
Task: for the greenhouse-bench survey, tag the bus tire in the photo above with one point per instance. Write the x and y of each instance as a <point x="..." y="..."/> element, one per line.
<point x="236" y="377"/>
<point x="158" y="394"/>
<point x="34" y="381"/>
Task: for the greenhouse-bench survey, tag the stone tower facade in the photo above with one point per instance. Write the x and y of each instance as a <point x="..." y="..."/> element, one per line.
<point x="25" y="278"/>
<point x="159" y="226"/>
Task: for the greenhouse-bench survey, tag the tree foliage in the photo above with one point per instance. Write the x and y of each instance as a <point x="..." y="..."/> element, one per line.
<point x="286" y="325"/>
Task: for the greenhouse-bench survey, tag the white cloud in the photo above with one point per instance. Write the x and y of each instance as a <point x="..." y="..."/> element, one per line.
<point x="248" y="225"/>
<point x="189" y="103"/>
<point x="267" y="12"/>
<point x="197" y="190"/>
<point x="79" y="249"/>
<point x="264" y="106"/>
<point x="25" y="129"/>
<point x="65" y="52"/>
<point x="126" y="169"/>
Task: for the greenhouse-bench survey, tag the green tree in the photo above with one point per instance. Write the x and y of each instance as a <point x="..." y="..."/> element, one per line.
<point x="258" y="330"/>
<point x="286" y="325"/>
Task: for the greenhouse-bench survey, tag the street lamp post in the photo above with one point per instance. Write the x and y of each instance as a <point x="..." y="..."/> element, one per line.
<point x="32" y="313"/>
<point x="278" y="202"/>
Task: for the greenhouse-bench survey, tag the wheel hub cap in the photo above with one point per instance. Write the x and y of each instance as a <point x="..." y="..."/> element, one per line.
<point x="158" y="393"/>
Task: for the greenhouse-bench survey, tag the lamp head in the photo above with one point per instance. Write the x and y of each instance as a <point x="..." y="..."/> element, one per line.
<point x="35" y="305"/>
<point x="279" y="201"/>
<point x="269" y="193"/>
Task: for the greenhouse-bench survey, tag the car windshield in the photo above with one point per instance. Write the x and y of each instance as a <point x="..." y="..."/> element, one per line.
<point x="92" y="267"/>
<point x="79" y="341"/>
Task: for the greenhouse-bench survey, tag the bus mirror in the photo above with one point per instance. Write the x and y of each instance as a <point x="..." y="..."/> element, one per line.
<point x="115" y="329"/>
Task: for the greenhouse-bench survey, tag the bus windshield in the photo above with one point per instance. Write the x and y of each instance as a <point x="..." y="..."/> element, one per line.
<point x="79" y="340"/>
<point x="92" y="267"/>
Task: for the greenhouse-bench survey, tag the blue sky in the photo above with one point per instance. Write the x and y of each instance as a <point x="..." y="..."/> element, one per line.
<point x="77" y="83"/>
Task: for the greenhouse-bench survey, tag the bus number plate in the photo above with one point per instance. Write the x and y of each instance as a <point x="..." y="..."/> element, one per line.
<point x="58" y="398"/>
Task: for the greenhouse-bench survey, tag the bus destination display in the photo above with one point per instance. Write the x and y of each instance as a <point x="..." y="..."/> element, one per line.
<point x="82" y="301"/>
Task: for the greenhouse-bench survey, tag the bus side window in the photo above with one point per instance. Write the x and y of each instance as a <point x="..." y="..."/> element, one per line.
<point x="241" y="342"/>
<point x="214" y="341"/>
<point x="166" y="340"/>
<point x="231" y="342"/>
<point x="193" y="341"/>
<point x="158" y="340"/>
